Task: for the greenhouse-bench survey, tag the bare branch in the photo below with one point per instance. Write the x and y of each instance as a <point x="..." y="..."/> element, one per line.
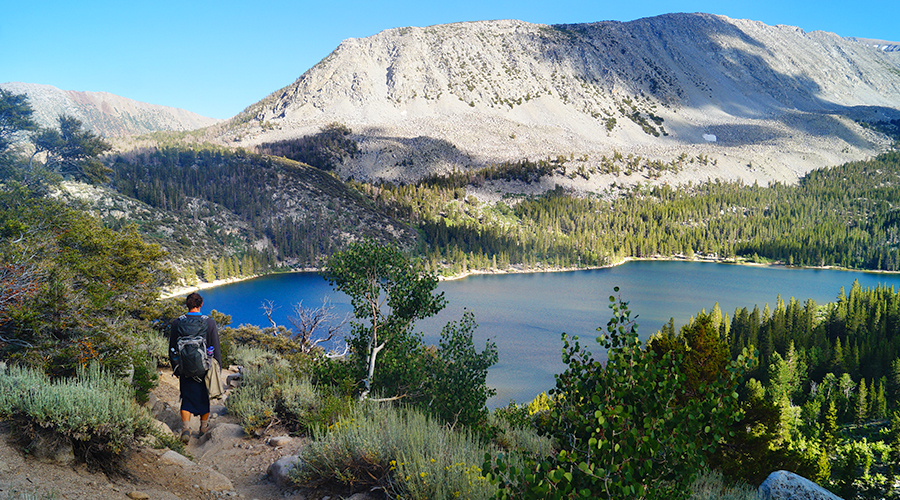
<point x="20" y="278"/>
<point x="335" y="354"/>
<point x="322" y="320"/>
<point x="268" y="306"/>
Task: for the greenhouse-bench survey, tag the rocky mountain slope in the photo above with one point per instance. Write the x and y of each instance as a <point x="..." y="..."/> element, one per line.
<point x="762" y="102"/>
<point x="105" y="114"/>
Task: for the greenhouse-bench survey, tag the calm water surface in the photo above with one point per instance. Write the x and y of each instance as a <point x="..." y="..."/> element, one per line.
<point x="526" y="313"/>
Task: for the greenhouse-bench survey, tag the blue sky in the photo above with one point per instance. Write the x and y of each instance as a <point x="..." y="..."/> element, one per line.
<point x="217" y="57"/>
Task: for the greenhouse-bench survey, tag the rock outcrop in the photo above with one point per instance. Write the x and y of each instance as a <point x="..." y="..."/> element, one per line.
<point x="784" y="485"/>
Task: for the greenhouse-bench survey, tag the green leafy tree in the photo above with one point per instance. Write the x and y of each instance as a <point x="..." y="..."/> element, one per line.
<point x="628" y="427"/>
<point x="90" y="285"/>
<point x="390" y="292"/>
<point x="458" y="391"/>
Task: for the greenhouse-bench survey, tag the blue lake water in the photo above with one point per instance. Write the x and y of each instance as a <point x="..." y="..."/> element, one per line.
<point x="526" y="313"/>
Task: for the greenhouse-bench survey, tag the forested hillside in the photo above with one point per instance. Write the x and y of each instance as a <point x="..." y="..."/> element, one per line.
<point x="842" y="216"/>
<point x="825" y="392"/>
<point x="294" y="214"/>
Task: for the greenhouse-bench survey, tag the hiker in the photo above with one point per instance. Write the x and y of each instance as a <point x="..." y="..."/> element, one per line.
<point x="194" y="392"/>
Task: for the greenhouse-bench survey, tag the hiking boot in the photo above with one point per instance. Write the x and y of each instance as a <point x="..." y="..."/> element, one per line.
<point x="204" y="427"/>
<point x="185" y="435"/>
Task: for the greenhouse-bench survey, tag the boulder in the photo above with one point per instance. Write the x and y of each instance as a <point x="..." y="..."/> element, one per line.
<point x="281" y="468"/>
<point x="159" y="426"/>
<point x="784" y="485"/>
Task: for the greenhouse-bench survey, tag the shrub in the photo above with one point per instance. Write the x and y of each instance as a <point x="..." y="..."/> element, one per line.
<point x="307" y="408"/>
<point x="276" y="340"/>
<point x="254" y="401"/>
<point x="95" y="411"/>
<point x="255" y="357"/>
<point x="273" y="393"/>
<point x="710" y="485"/>
<point x="145" y="376"/>
<point x="403" y="451"/>
<point x="456" y="391"/>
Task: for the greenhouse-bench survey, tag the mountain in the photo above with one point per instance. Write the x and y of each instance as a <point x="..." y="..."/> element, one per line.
<point x="105" y="114"/>
<point x="760" y="103"/>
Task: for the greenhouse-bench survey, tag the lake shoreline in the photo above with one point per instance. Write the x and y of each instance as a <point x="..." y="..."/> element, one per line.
<point x="519" y="269"/>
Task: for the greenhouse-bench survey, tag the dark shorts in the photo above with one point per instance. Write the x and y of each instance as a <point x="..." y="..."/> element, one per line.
<point x="194" y="397"/>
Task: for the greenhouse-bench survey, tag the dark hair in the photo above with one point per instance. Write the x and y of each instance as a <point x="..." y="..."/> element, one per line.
<point x="193" y="301"/>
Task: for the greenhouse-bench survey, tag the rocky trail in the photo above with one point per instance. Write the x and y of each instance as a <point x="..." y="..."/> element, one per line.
<point x="225" y="463"/>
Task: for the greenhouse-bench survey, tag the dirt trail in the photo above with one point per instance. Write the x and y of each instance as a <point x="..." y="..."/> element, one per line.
<point x="225" y="463"/>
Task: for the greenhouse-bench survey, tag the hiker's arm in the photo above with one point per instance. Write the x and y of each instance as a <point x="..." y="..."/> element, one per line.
<point x="212" y="338"/>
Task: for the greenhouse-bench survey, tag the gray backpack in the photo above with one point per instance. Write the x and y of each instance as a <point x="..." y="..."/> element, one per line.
<point x="191" y="359"/>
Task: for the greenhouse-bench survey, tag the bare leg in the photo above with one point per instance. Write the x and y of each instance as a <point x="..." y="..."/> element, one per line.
<point x="204" y="424"/>
<point x="186" y="425"/>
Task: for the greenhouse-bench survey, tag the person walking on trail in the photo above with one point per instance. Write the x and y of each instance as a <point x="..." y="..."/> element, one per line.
<point x="194" y="394"/>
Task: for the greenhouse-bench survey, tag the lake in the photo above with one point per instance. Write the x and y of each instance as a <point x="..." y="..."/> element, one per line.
<point x="526" y="313"/>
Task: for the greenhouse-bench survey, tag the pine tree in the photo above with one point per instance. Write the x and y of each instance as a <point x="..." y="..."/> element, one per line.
<point x="837" y="361"/>
<point x="823" y="467"/>
<point x="222" y="269"/>
<point x="862" y="407"/>
<point x="873" y="400"/>
<point x="209" y="271"/>
<point x="829" y="430"/>
<point x="236" y="266"/>
<point x="880" y="402"/>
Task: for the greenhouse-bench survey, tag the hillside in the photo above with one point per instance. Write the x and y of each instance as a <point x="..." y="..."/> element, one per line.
<point x="103" y="113"/>
<point x="201" y="204"/>
<point x="765" y="103"/>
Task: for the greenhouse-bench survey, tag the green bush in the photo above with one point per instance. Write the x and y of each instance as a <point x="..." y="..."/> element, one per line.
<point x="255" y="357"/>
<point x="307" y="408"/>
<point x="273" y="393"/>
<point x="145" y="377"/>
<point x="403" y="451"/>
<point x="95" y="411"/>
<point x="274" y="340"/>
<point x="253" y="403"/>
<point x="456" y="389"/>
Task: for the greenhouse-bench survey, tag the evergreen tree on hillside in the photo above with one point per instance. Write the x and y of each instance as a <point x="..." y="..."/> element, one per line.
<point x="72" y="151"/>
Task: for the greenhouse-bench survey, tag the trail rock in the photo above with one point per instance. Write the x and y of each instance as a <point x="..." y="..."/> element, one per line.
<point x="784" y="485"/>
<point x="279" y="441"/>
<point x="280" y="470"/>
<point x="53" y="450"/>
<point x="160" y="426"/>
<point x="189" y="472"/>
<point x="174" y="458"/>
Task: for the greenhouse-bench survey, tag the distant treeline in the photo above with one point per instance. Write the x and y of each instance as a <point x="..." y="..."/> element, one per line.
<point x="323" y="150"/>
<point x="842" y="216"/>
